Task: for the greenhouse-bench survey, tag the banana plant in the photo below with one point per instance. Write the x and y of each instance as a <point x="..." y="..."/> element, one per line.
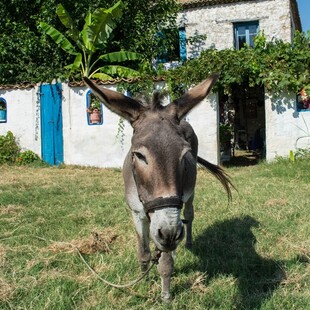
<point x="90" y="41"/>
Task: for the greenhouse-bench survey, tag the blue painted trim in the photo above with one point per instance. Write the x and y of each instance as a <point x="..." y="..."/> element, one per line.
<point x="88" y="92"/>
<point x="3" y="113"/>
<point x="182" y="43"/>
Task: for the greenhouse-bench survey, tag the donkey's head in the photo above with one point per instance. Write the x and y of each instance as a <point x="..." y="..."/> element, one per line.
<point x="163" y="157"/>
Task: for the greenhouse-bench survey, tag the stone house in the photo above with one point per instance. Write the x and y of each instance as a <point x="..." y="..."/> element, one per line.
<point x="257" y="123"/>
<point x="52" y="120"/>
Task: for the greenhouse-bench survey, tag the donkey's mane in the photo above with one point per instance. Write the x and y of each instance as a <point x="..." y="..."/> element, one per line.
<point x="154" y="103"/>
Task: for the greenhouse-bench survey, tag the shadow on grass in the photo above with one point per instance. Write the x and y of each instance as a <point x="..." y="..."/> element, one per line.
<point x="228" y="248"/>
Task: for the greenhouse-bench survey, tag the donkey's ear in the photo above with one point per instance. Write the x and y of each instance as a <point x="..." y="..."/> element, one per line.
<point x="118" y="103"/>
<point x="190" y="99"/>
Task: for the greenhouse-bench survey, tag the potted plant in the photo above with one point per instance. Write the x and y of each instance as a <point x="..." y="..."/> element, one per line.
<point x="94" y="110"/>
<point x="304" y="100"/>
<point x="2" y="110"/>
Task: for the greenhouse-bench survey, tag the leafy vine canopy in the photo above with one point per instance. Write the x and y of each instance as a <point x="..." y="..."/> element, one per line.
<point x="27" y="54"/>
<point x="278" y="65"/>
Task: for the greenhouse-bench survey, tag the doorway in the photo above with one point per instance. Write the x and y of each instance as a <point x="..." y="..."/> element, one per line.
<point x="242" y="125"/>
<point x="51" y="123"/>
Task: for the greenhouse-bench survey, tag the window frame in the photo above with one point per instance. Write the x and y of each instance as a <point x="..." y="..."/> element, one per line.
<point x="180" y="46"/>
<point x="88" y="102"/>
<point x="4" y="111"/>
<point x="247" y="25"/>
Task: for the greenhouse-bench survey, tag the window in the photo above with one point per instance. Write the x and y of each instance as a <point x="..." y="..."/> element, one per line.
<point x="172" y="45"/>
<point x="245" y="34"/>
<point x="93" y="110"/>
<point x="2" y="110"/>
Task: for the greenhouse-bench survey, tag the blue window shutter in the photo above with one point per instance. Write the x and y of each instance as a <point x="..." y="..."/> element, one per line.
<point x="182" y="42"/>
<point x="162" y="57"/>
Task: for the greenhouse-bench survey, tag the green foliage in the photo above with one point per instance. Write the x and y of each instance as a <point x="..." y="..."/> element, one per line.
<point x="10" y="152"/>
<point x="27" y="157"/>
<point x="94" y="103"/>
<point x="9" y="148"/>
<point x="93" y="38"/>
<point x="277" y="65"/>
<point x="27" y="54"/>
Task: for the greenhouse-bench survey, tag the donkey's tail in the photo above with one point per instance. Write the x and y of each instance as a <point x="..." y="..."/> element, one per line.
<point x="220" y="174"/>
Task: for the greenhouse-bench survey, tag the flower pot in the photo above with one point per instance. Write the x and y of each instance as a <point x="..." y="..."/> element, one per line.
<point x="95" y="117"/>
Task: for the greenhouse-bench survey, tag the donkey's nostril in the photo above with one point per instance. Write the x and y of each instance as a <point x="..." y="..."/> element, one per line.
<point x="180" y="234"/>
<point x="160" y="234"/>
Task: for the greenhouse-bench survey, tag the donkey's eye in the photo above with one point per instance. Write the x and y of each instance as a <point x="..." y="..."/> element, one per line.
<point x="140" y="156"/>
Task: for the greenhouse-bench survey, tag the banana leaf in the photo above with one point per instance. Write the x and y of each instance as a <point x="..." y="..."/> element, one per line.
<point x="99" y="25"/>
<point x="59" y="38"/>
<point x="115" y="70"/>
<point x="102" y="76"/>
<point x="120" y="56"/>
<point x="76" y="65"/>
<point x="67" y="21"/>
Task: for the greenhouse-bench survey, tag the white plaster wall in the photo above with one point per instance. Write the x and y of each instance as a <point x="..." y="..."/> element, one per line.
<point x="204" y="120"/>
<point x="216" y="21"/>
<point x="96" y="145"/>
<point x="285" y="126"/>
<point x="23" y="117"/>
<point x="91" y="145"/>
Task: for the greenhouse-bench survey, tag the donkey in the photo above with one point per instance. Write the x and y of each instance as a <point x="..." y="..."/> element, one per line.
<point x="160" y="171"/>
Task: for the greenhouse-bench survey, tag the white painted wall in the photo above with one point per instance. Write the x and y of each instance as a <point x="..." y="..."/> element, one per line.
<point x="285" y="126"/>
<point x="23" y="117"/>
<point x="217" y="21"/>
<point x="91" y="145"/>
<point x="94" y="145"/>
<point x="204" y="118"/>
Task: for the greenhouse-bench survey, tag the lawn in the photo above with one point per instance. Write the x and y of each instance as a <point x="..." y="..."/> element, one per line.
<point x="252" y="253"/>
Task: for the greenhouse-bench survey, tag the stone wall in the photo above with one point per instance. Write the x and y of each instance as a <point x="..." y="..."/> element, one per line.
<point x="217" y="21"/>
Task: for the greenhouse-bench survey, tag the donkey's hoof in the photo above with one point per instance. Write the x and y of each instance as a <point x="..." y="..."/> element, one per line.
<point x="165" y="297"/>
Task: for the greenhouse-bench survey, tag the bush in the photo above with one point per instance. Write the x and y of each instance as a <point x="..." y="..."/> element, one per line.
<point x="9" y="148"/>
<point x="10" y="152"/>
<point x="27" y="157"/>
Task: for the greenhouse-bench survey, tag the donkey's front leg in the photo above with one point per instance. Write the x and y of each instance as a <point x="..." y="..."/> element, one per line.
<point x="165" y="269"/>
<point x="189" y="217"/>
<point x="142" y="230"/>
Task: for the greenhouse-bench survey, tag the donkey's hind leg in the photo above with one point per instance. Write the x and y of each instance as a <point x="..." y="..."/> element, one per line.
<point x="142" y="230"/>
<point x="189" y="217"/>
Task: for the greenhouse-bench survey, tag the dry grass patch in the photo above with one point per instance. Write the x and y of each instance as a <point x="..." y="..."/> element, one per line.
<point x="276" y="202"/>
<point x="99" y="241"/>
<point x="6" y="290"/>
<point x="2" y="256"/>
<point x="10" y="209"/>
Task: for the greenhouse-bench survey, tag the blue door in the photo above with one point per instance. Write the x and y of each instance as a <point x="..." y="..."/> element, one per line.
<point x="51" y="123"/>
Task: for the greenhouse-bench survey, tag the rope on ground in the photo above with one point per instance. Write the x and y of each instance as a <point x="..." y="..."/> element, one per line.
<point x="154" y="261"/>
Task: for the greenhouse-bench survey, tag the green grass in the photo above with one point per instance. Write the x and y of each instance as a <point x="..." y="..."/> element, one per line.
<point x="250" y="254"/>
